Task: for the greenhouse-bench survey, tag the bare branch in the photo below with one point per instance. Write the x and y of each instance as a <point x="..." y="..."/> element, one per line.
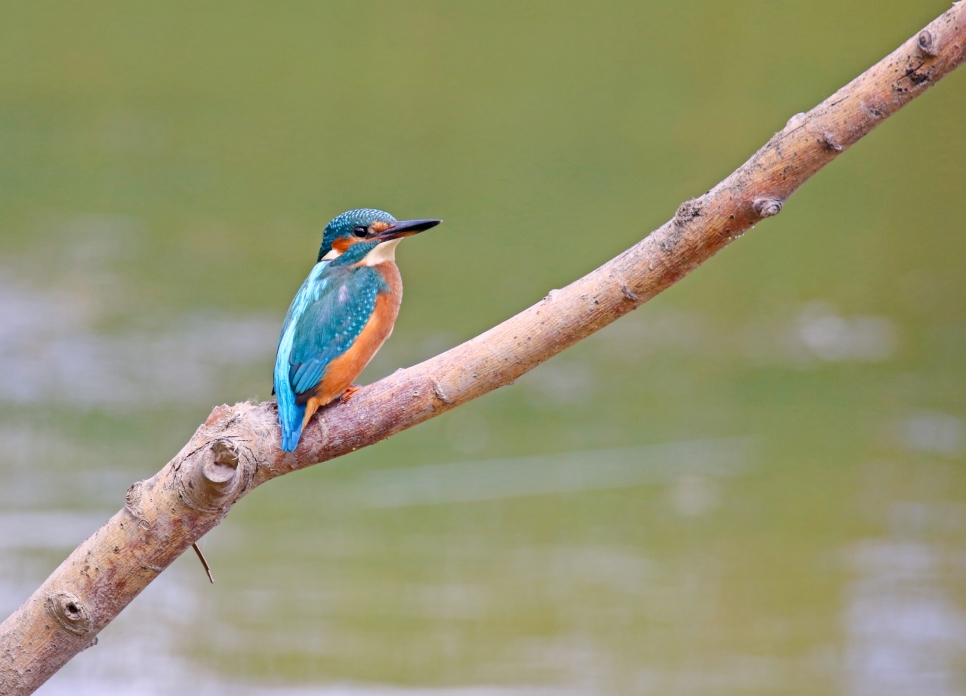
<point x="237" y="448"/>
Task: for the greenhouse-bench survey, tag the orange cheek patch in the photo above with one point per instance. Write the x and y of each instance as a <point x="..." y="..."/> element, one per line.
<point x="378" y="227"/>
<point x="342" y="243"/>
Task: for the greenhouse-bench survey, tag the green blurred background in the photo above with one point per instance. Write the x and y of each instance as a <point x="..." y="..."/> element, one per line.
<point x="752" y="485"/>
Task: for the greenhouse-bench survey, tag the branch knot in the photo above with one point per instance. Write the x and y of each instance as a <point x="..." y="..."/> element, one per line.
<point x="69" y="611"/>
<point x="767" y="207"/>
<point x="440" y="393"/>
<point x="830" y="143"/>
<point x="926" y="43"/>
<point x="132" y="503"/>
<point x="213" y="477"/>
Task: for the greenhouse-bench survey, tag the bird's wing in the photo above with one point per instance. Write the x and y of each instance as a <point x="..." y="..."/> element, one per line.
<point x="336" y="308"/>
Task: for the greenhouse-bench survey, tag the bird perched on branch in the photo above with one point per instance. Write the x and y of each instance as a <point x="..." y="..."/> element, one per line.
<point x="340" y="316"/>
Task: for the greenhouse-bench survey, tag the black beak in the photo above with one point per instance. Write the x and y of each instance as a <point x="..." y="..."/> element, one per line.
<point x="406" y="228"/>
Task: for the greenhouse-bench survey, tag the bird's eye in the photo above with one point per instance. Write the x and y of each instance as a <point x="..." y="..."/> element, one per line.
<point x="360" y="232"/>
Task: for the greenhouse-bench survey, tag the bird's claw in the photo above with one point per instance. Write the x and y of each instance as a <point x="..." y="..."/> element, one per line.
<point x="347" y="394"/>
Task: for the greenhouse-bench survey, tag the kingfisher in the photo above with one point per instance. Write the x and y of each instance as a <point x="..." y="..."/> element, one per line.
<point x="341" y="315"/>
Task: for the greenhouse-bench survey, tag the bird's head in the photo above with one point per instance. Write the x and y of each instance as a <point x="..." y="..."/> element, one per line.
<point x="366" y="226"/>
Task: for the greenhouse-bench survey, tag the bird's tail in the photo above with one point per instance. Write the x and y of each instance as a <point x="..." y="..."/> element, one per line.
<point x="290" y="417"/>
<point x="291" y="426"/>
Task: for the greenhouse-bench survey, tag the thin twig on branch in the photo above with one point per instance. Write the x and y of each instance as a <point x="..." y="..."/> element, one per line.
<point x="238" y="447"/>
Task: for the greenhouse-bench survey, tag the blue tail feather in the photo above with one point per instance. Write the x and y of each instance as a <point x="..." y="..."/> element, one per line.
<point x="292" y="430"/>
<point x="290" y="413"/>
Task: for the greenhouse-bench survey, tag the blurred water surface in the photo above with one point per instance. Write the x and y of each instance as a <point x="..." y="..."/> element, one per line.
<point x="752" y="485"/>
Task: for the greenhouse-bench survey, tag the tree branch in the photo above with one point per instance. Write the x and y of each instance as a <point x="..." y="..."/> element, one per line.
<point x="238" y="449"/>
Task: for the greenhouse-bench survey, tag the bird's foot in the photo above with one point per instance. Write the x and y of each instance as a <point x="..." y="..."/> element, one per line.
<point x="347" y="394"/>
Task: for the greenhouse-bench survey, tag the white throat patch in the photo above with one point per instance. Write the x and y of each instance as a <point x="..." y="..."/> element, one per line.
<point x="382" y="253"/>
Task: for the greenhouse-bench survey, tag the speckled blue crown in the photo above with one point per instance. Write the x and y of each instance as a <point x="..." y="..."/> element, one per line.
<point x="342" y="225"/>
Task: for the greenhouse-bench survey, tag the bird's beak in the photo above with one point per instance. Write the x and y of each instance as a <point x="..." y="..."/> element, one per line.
<point x="406" y="228"/>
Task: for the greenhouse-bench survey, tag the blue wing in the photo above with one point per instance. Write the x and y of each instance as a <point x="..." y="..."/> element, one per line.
<point x="328" y="313"/>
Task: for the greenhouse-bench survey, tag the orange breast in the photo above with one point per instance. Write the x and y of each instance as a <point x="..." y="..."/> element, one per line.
<point x="343" y="370"/>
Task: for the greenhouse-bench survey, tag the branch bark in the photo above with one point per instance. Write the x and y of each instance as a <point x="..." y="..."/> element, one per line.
<point x="238" y="447"/>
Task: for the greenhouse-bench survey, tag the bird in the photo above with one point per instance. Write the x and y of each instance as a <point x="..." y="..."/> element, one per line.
<point x="341" y="315"/>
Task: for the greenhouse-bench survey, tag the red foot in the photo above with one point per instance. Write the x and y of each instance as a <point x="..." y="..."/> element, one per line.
<point x="347" y="394"/>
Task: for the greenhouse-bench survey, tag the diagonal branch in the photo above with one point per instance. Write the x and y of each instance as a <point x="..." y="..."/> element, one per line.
<point x="238" y="449"/>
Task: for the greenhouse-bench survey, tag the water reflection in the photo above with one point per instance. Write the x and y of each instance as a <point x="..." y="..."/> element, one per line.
<point x="54" y="530"/>
<point x="796" y="336"/>
<point x="906" y="632"/>
<point x="688" y="462"/>
<point x="934" y="433"/>
<point x="53" y="354"/>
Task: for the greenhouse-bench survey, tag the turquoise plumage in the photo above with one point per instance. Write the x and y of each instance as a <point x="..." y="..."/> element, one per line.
<point x="340" y="316"/>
